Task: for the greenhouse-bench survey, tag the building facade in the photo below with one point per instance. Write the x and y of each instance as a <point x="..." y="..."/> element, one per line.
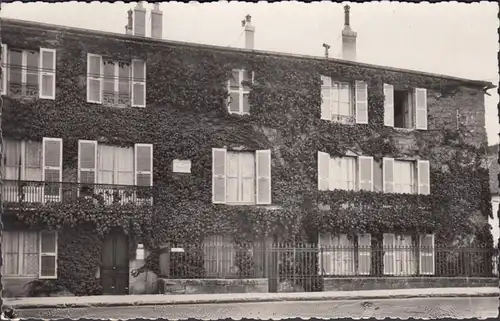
<point x="116" y="145"/>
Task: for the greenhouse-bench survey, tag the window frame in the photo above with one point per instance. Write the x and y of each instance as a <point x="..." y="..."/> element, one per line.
<point x="241" y="92"/>
<point x="240" y="178"/>
<point x="355" y="254"/>
<point x="24" y="72"/>
<point x="341" y="119"/>
<point x="116" y="82"/>
<point x="413" y="176"/>
<point x="47" y="254"/>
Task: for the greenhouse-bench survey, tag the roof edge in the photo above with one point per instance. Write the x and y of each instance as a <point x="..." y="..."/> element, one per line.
<point x="486" y="85"/>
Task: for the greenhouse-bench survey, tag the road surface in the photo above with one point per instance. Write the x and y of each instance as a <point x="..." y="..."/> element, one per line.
<point x="394" y="308"/>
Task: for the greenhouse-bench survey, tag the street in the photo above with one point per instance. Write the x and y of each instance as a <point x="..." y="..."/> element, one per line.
<point x="478" y="307"/>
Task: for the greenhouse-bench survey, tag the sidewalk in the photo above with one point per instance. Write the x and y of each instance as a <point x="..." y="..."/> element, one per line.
<point x="166" y="299"/>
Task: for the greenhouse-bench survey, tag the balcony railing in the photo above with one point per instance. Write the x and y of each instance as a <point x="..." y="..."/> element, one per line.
<point x="15" y="192"/>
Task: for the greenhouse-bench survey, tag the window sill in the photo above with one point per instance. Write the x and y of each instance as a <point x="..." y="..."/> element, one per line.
<point x="404" y="130"/>
<point x="238" y="113"/>
<point x="19" y="277"/>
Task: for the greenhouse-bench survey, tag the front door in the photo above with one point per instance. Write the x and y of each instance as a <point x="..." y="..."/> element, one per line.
<point x="115" y="269"/>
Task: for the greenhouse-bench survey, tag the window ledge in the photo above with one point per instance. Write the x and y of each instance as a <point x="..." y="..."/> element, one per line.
<point x="404" y="130"/>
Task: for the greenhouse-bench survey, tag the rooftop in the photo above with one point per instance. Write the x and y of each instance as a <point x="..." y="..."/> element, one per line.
<point x="58" y="28"/>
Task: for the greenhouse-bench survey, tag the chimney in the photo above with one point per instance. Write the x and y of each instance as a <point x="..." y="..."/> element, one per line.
<point x="156" y="21"/>
<point x="249" y="32"/>
<point x="129" y="27"/>
<point x="140" y="20"/>
<point x="348" y="38"/>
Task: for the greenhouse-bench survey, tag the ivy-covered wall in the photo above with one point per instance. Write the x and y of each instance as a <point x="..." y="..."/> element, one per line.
<point x="185" y="118"/>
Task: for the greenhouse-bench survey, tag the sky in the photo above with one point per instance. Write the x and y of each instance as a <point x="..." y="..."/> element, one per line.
<point x="455" y="39"/>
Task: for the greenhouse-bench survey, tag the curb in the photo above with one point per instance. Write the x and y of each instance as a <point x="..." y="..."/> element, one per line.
<point x="244" y="300"/>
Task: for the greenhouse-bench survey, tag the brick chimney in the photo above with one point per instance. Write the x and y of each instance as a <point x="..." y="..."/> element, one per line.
<point x="130" y="25"/>
<point x="348" y="38"/>
<point x="156" y="22"/>
<point x="140" y="20"/>
<point x="249" y="32"/>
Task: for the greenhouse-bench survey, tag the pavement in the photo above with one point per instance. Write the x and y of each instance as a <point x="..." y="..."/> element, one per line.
<point x="189" y="299"/>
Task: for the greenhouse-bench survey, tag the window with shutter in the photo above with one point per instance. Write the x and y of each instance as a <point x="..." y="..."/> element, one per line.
<point x="404" y="177"/>
<point x="365" y="173"/>
<point x="20" y="253"/>
<point x="361" y="102"/>
<point x="389" y="253"/>
<point x="389" y="105"/>
<point x="364" y="254"/>
<point x="138" y="83"/>
<point x="427" y="254"/>
<point x="337" y="101"/>
<point x="219" y="255"/>
<point x="404" y="109"/>
<point x="239" y="91"/>
<point x="4" y="66"/>
<point x="405" y="255"/>
<point x="48" y="255"/>
<point x="52" y="168"/>
<point x="87" y="161"/>
<point x="94" y="78"/>
<point x="47" y="73"/>
<point x="23" y="73"/>
<point x="421" y="108"/>
<point x="423" y="177"/>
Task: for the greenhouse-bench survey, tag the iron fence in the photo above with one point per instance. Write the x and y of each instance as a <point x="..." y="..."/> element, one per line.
<point x="15" y="192"/>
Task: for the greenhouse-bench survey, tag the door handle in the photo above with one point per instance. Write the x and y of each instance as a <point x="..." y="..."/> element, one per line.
<point x="114" y="267"/>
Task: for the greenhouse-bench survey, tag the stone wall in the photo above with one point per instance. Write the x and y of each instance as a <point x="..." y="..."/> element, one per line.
<point x="205" y="286"/>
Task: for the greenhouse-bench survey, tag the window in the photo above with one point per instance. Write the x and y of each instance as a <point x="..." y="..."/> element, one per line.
<point x="32" y="161"/>
<point x="407" y="177"/>
<point x="405" y="108"/>
<point x="340" y="103"/>
<point x="30" y="73"/>
<point x="219" y="255"/>
<point x="116" y="83"/>
<point x="239" y="91"/>
<point x="404" y="254"/>
<point x="29" y="254"/>
<point x="113" y="165"/>
<point x="345" y="173"/>
<point x="241" y="177"/>
<point x="344" y="254"/>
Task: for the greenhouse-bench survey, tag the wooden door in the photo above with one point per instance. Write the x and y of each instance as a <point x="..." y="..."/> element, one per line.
<point x="115" y="264"/>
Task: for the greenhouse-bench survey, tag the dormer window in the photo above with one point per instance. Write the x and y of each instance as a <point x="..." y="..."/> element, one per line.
<point x="239" y="91"/>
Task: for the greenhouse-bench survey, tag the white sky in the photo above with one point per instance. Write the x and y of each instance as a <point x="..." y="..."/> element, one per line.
<point x="445" y="38"/>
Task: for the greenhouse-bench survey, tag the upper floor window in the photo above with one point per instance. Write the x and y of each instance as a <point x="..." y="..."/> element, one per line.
<point x="344" y="102"/>
<point x="29" y="254"/>
<point x="116" y="83"/>
<point x="405" y="108"/>
<point x="345" y="173"/>
<point x="239" y="91"/>
<point x="241" y="177"/>
<point x="29" y="73"/>
<point x="408" y="177"/>
<point x="113" y="165"/>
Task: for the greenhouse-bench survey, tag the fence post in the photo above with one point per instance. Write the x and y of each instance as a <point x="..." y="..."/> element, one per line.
<point x="165" y="260"/>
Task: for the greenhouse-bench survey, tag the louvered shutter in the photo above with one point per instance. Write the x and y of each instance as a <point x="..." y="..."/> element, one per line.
<point x="361" y="102"/>
<point x="218" y="175"/>
<point x="87" y="161"/>
<point x="364" y="254"/>
<point x="94" y="78"/>
<point x="52" y="168"/>
<point x="365" y="173"/>
<point x="388" y="175"/>
<point x="138" y="83"/>
<point x="143" y="164"/>
<point x="47" y="73"/>
<point x="4" y="69"/>
<point x="263" y="164"/>
<point x="389" y="251"/>
<point x="326" y="253"/>
<point x="420" y="108"/>
<point x="323" y="171"/>
<point x="427" y="254"/>
<point x="423" y="171"/>
<point x="389" y="105"/>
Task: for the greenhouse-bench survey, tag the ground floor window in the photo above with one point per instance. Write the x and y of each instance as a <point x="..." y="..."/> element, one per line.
<point x="29" y="254"/>
<point x="343" y="254"/>
<point x="219" y="255"/>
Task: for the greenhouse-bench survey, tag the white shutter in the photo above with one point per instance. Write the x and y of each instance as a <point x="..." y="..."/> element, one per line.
<point x="48" y="255"/>
<point x="47" y="75"/>
<point x="388" y="175"/>
<point x="143" y="164"/>
<point x="326" y="253"/>
<point x="423" y="170"/>
<point x="326" y="86"/>
<point x="389" y="242"/>
<point x="364" y="254"/>
<point x="94" y="78"/>
<point x="263" y="164"/>
<point x="219" y="175"/>
<point x="87" y="161"/>
<point x="365" y="173"/>
<point x="52" y="149"/>
<point x="323" y="171"/>
<point x="4" y="69"/>
<point x="427" y="254"/>
<point x="389" y="105"/>
<point x="138" y="83"/>
<point x="420" y="108"/>
<point x="361" y="102"/>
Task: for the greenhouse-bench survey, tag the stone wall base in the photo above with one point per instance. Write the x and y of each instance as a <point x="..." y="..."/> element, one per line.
<point x="206" y="286"/>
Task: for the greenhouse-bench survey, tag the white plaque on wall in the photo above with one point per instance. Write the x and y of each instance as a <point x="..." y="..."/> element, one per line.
<point x="139" y="253"/>
<point x="182" y="166"/>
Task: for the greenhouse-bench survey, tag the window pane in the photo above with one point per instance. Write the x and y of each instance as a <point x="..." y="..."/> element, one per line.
<point x="10" y="252"/>
<point x="48" y="241"/>
<point x="344" y="109"/>
<point x="143" y="158"/>
<point x="143" y="179"/>
<point x="30" y="256"/>
<point x="344" y="93"/>
<point x="246" y="104"/>
<point x="94" y="89"/>
<point x="32" y="60"/>
<point x="124" y="79"/>
<point x="95" y="66"/>
<point x="47" y="85"/>
<point x="48" y="61"/>
<point x="109" y="77"/>
<point x="139" y="70"/>
<point x="139" y="94"/>
<point x="48" y="266"/>
<point x="15" y="72"/>
<point x="232" y="164"/>
<point x="234" y="80"/>
<point x="234" y="102"/>
<point x="232" y="189"/>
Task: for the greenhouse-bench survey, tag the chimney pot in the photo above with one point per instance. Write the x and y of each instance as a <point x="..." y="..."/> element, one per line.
<point x="348" y="37"/>
<point x="130" y="25"/>
<point x="156" y="22"/>
<point x="346" y="15"/>
<point x="249" y="32"/>
<point x="139" y="20"/>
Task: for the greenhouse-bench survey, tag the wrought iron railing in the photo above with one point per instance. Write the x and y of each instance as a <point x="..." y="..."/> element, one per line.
<point x="15" y="192"/>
